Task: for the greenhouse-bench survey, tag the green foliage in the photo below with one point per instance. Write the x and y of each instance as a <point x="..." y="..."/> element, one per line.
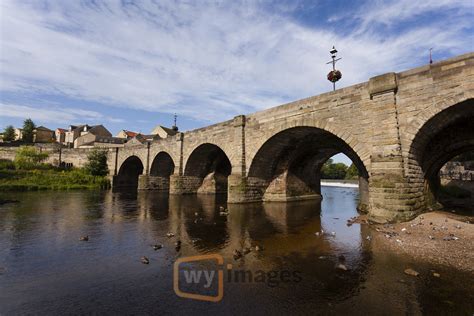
<point x="331" y="170"/>
<point x="52" y="179"/>
<point x="28" y="172"/>
<point x="97" y="163"/>
<point x="9" y="133"/>
<point x="352" y="173"/>
<point x="28" y="128"/>
<point x="27" y="157"/>
<point x="6" y="164"/>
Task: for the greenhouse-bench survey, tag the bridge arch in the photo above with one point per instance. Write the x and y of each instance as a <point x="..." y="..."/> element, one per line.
<point x="162" y="165"/>
<point x="443" y="136"/>
<point x="287" y="166"/>
<point x="128" y="173"/>
<point x="158" y="177"/>
<point x="208" y="167"/>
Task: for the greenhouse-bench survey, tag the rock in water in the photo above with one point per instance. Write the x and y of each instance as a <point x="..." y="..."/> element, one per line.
<point x="169" y="235"/>
<point x="144" y="260"/>
<point x="237" y="254"/>
<point x="341" y="266"/>
<point x="157" y="247"/>
<point x="177" y="245"/>
<point x="412" y="272"/>
<point x="84" y="238"/>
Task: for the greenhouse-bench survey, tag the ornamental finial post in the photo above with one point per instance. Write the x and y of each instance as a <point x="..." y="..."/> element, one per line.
<point x="334" y="75"/>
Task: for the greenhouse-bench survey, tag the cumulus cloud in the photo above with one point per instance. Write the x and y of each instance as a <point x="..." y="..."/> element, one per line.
<point x="205" y="60"/>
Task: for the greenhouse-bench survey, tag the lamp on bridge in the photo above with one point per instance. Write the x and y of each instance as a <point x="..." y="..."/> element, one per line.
<point x="334" y="75"/>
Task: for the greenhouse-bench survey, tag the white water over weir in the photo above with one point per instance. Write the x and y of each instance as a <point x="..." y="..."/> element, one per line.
<point x="340" y="183"/>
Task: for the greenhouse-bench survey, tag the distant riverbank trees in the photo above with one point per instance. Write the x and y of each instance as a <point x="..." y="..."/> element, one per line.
<point x="28" y="172"/>
<point x="338" y="171"/>
<point x="9" y="133"/>
<point x="28" y="130"/>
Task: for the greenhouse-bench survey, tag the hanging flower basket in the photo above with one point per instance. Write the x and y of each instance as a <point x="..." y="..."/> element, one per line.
<point x="334" y="75"/>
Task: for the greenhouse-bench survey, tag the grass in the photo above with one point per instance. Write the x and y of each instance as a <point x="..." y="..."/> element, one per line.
<point x="48" y="179"/>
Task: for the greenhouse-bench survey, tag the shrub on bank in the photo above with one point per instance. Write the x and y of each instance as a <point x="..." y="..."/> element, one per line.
<point x="27" y="158"/>
<point x="47" y="177"/>
<point x="97" y="163"/>
<point x="6" y="164"/>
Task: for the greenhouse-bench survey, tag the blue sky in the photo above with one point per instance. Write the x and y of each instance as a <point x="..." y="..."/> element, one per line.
<point x="132" y="64"/>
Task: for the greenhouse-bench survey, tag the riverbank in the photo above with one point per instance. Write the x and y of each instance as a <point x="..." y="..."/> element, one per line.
<point x="443" y="238"/>
<point x="50" y="179"/>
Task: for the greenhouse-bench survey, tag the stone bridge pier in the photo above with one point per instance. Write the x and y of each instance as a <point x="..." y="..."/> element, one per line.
<point x="398" y="129"/>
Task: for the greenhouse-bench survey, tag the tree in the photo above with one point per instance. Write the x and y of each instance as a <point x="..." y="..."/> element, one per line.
<point x="331" y="170"/>
<point x="28" y="130"/>
<point x="352" y="172"/>
<point x="97" y="163"/>
<point x="27" y="157"/>
<point x="9" y="133"/>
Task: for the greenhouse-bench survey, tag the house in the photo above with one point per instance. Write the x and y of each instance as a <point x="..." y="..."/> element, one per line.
<point x="42" y="134"/>
<point x="90" y="140"/>
<point x="73" y="133"/>
<point x="126" y="134"/>
<point x="164" y="132"/>
<point x="18" y="134"/>
<point x="60" y="135"/>
<point x="81" y="130"/>
<point x="140" y="139"/>
<point x="99" y="131"/>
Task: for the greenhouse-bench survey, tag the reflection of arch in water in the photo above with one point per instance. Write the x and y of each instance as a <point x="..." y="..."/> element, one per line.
<point x="289" y="217"/>
<point x="154" y="206"/>
<point x="207" y="230"/>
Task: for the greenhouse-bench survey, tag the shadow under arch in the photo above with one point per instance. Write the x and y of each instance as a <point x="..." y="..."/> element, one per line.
<point x="444" y="136"/>
<point x="287" y="166"/>
<point x="207" y="169"/>
<point x="128" y="173"/>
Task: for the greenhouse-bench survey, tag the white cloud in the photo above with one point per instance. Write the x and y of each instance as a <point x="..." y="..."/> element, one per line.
<point x="208" y="61"/>
<point x="59" y="115"/>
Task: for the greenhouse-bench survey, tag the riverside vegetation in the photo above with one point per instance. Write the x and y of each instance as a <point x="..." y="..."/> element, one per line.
<point x="28" y="172"/>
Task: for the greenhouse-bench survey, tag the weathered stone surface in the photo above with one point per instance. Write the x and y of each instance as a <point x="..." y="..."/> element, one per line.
<point x="396" y="128"/>
<point x="382" y="84"/>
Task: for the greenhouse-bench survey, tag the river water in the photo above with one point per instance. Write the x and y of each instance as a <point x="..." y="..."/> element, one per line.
<point x="46" y="269"/>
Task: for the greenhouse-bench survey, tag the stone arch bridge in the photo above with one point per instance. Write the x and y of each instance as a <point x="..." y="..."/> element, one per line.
<point x="397" y="128"/>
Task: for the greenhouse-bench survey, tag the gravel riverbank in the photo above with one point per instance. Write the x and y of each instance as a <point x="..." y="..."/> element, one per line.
<point x="436" y="237"/>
